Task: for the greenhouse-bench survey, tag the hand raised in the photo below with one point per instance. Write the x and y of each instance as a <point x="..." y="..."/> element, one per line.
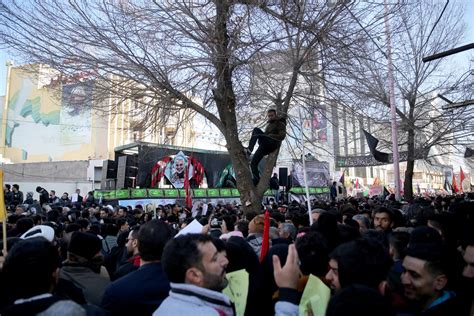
<point x="288" y="275"/>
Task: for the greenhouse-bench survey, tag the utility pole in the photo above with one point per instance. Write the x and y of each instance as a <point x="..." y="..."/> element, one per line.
<point x="305" y="177"/>
<point x="393" y="111"/>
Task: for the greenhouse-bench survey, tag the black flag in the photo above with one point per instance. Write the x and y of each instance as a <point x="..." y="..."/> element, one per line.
<point x="372" y="142"/>
<point x="469" y="153"/>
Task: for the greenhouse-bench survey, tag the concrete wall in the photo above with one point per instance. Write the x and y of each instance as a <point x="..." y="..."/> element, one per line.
<point x="61" y="176"/>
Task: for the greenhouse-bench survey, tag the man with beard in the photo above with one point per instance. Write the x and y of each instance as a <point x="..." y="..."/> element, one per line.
<point x="178" y="176"/>
<point x="196" y="271"/>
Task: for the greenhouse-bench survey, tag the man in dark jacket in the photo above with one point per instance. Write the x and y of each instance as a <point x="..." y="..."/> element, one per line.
<point x="17" y="196"/>
<point x="132" y="260"/>
<point x="83" y="267"/>
<point x="268" y="141"/>
<point x="426" y="267"/>
<point x="8" y="195"/>
<point x="142" y="291"/>
<point x="275" y="187"/>
<point x="30" y="272"/>
<point x="43" y="195"/>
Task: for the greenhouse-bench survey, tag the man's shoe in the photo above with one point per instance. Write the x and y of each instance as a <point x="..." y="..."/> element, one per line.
<point x="248" y="153"/>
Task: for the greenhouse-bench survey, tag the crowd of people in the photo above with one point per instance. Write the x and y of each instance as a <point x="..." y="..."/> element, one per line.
<point x="377" y="257"/>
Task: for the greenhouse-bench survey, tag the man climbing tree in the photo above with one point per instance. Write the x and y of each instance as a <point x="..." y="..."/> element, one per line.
<point x="268" y="141"/>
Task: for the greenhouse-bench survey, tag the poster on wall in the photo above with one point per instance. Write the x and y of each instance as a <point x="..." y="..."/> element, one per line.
<point x="76" y="113"/>
<point x="317" y="173"/>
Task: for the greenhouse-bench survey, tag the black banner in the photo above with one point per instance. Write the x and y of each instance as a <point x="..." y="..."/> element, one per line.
<point x="369" y="160"/>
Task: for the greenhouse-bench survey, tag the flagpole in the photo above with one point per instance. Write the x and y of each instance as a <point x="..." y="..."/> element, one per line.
<point x="4" y="229"/>
<point x="304" y="171"/>
<point x="3" y="214"/>
<point x="393" y="110"/>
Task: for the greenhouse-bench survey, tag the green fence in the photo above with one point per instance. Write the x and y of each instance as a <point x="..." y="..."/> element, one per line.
<point x="181" y="193"/>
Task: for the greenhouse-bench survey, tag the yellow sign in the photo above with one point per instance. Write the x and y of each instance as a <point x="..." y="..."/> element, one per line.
<point x="315" y="299"/>
<point x="3" y="210"/>
<point x="237" y="290"/>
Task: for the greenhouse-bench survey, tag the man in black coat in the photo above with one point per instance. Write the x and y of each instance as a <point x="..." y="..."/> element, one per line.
<point x="43" y="195"/>
<point x="142" y="291"/>
<point x="30" y="273"/>
<point x="268" y="141"/>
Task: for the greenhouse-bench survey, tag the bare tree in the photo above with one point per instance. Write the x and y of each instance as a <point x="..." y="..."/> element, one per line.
<point x="195" y="55"/>
<point x="361" y="80"/>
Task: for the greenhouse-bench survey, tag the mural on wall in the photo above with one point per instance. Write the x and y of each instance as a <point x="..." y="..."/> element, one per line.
<point x="76" y="113"/>
<point x="42" y="124"/>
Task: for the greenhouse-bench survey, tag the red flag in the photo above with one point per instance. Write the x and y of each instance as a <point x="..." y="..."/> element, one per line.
<point x="187" y="187"/>
<point x="357" y="183"/>
<point x="461" y="178"/>
<point x="266" y="236"/>
<point x="455" y="185"/>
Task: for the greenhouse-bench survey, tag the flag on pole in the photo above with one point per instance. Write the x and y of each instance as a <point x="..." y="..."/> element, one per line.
<point x="455" y="185"/>
<point x="372" y="142"/>
<point x="3" y="210"/>
<point x="342" y="179"/>
<point x="468" y="153"/>
<point x="266" y="236"/>
<point x="461" y="178"/>
<point x="357" y="183"/>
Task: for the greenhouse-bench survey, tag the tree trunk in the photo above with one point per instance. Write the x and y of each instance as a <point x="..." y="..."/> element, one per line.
<point x="408" y="183"/>
<point x="251" y="196"/>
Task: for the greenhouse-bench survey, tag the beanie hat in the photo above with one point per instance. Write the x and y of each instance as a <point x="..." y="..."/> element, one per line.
<point x="86" y="245"/>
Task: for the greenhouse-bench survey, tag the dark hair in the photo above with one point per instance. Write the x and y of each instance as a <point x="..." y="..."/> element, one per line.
<point x="362" y="261"/>
<point x="16" y="186"/>
<point x="8" y="187"/>
<point x="229" y="222"/>
<point x="359" y="300"/>
<point x="272" y="110"/>
<point x="52" y="216"/>
<point x="134" y="230"/>
<point x="382" y="209"/>
<point x="313" y="253"/>
<point x="182" y="253"/>
<point x="327" y="226"/>
<point x="122" y="239"/>
<point x="152" y="238"/>
<point x="399" y="242"/>
<point x="23" y="224"/>
<point x="121" y="221"/>
<point x="111" y="229"/>
<point x="95" y="228"/>
<point x="243" y="226"/>
<point x="84" y="223"/>
<point x="73" y="227"/>
<point x="32" y="262"/>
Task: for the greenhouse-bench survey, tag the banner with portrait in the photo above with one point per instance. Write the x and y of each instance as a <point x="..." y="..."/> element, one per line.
<point x="176" y="168"/>
<point x="317" y="173"/>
